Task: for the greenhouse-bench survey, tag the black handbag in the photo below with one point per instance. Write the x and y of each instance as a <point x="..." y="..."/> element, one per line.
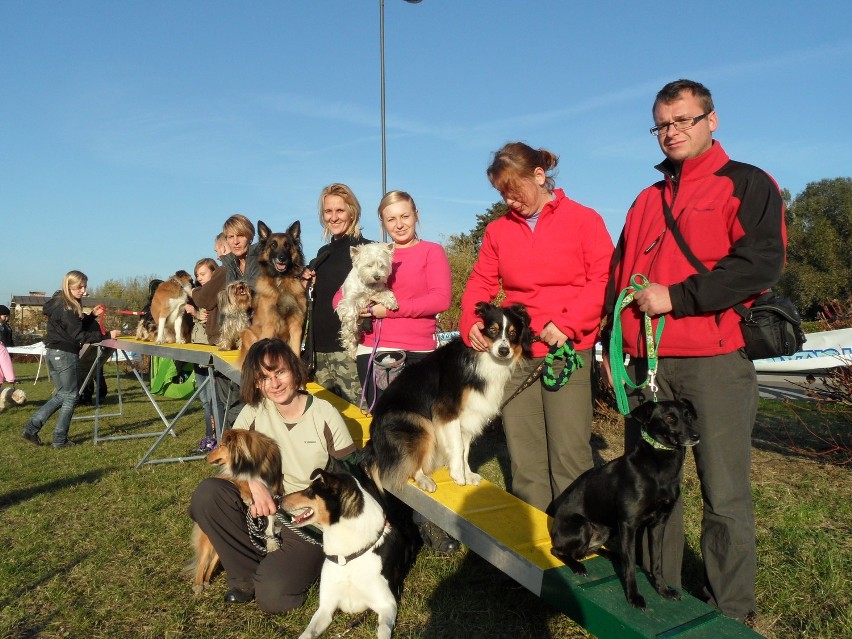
<point x="772" y="327"/>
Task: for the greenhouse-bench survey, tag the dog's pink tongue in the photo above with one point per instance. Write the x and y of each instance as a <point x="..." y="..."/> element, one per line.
<point x="280" y="267"/>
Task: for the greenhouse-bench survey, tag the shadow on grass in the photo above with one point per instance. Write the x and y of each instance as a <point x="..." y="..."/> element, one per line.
<point x="494" y="605"/>
<point x="36" y="626"/>
<point x="17" y="496"/>
<point x="491" y="446"/>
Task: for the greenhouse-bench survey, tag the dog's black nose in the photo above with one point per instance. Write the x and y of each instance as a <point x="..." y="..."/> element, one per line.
<point x="503" y="351"/>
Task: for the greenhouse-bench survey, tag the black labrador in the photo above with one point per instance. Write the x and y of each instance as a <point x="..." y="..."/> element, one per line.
<point x="635" y="491"/>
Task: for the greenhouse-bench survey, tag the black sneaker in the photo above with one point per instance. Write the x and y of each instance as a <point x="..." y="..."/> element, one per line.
<point x="32" y="438"/>
<point x="438" y="540"/>
<point x="66" y="444"/>
<point x="235" y="596"/>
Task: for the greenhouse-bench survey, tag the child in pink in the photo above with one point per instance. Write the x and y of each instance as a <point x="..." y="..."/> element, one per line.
<point x="7" y="371"/>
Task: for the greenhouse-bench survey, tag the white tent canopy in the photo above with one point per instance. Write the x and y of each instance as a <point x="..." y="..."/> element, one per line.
<point x="39" y="350"/>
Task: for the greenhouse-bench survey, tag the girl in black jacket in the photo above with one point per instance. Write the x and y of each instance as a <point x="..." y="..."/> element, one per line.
<point x="67" y="330"/>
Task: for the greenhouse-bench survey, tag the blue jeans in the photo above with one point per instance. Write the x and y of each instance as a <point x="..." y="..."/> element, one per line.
<point x="62" y="367"/>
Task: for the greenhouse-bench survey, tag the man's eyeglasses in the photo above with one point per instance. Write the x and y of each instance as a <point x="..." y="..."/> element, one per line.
<point x="679" y="125"/>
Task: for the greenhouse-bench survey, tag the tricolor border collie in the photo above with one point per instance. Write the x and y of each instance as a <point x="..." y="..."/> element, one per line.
<point x="436" y="407"/>
<point x="366" y="556"/>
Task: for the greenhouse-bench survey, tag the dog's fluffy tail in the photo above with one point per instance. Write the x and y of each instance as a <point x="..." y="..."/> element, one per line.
<point x="369" y="464"/>
<point x="204" y="561"/>
<point x="401" y="443"/>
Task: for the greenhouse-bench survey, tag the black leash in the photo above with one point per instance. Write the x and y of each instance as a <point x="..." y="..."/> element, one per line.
<point x="529" y="381"/>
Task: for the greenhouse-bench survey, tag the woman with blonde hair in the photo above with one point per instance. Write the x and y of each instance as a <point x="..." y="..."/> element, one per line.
<point x="339" y="216"/>
<point x="422" y="284"/>
<point x="68" y="328"/>
<point x="238" y="263"/>
<point x="241" y="261"/>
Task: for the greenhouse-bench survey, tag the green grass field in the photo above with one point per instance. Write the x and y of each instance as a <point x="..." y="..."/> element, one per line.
<point x="93" y="548"/>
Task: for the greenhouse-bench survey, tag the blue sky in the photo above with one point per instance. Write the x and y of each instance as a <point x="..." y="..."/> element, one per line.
<point x="129" y="131"/>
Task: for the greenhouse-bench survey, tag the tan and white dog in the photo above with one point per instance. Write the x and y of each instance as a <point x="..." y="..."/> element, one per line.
<point x="366" y="283"/>
<point x="167" y="307"/>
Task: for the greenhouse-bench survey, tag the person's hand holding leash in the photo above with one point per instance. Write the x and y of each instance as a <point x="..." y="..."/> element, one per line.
<point x="552" y="336"/>
<point x="262" y="502"/>
<point x="309" y="277"/>
<point x="379" y="311"/>
<point x="654" y="300"/>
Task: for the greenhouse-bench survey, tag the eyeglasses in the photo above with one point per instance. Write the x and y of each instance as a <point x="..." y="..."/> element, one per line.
<point x="279" y="376"/>
<point x="679" y="125"/>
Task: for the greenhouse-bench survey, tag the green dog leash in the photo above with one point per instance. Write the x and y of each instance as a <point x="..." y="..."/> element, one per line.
<point x="566" y="352"/>
<point x="620" y="378"/>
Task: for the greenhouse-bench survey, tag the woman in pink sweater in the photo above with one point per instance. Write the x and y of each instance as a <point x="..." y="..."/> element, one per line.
<point x="421" y="282"/>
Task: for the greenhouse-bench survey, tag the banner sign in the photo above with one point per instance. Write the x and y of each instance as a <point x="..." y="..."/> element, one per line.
<point x="826" y="349"/>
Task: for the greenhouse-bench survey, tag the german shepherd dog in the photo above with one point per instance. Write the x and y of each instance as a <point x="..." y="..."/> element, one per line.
<point x="630" y="493"/>
<point x="367" y="555"/>
<point x="167" y="311"/>
<point x="243" y="455"/>
<point x="279" y="302"/>
<point x="431" y="413"/>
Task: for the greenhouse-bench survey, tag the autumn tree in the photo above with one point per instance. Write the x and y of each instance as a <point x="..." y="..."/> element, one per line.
<point x="819" y="260"/>
<point x="462" y="251"/>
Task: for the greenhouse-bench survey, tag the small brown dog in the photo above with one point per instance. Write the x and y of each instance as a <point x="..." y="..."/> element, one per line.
<point x="279" y="302"/>
<point x="243" y="455"/>
<point x="234" y="309"/>
<point x="167" y="311"/>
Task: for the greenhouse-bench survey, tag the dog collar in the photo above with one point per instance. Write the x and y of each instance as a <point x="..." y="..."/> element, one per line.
<point x="342" y="561"/>
<point x="654" y="442"/>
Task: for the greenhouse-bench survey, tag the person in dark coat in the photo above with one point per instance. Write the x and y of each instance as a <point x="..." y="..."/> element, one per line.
<point x="68" y="328"/>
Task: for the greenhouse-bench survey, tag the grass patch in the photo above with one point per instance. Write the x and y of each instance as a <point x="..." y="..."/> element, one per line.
<point x="93" y="548"/>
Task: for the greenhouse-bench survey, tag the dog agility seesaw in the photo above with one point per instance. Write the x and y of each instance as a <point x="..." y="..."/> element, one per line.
<point x="514" y="537"/>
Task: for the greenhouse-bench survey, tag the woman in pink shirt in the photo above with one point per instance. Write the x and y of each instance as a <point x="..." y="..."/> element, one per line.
<point x="421" y="282"/>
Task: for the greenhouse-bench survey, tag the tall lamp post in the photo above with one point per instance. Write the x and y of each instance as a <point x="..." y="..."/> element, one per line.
<point x="382" y="55"/>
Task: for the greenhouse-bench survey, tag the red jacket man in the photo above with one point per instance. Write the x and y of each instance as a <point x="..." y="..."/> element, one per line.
<point x="731" y="216"/>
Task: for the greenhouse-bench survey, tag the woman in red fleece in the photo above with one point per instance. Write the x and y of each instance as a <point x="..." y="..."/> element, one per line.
<point x="552" y="255"/>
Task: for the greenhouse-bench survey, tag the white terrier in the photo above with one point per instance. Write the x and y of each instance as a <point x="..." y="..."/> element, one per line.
<point x="366" y="283"/>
